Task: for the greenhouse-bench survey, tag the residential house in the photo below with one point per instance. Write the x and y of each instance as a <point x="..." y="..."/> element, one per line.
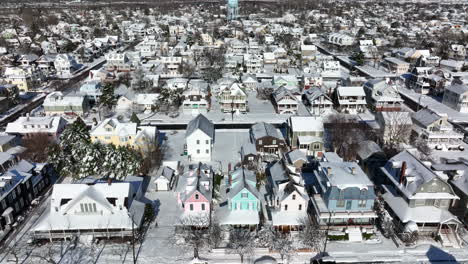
<point x="290" y="82"/>
<point x="243" y="200"/>
<point x="232" y="98"/>
<point x="306" y="133"/>
<point x="317" y="101"/>
<point x="418" y="198"/>
<point x="19" y="186"/>
<point x="45" y="63"/>
<point x="285" y="102"/>
<point x="57" y="104"/>
<point x="118" y="62"/>
<point x="146" y="101"/>
<point x="199" y="139"/>
<point x="382" y="96"/>
<point x="65" y="65"/>
<point x="340" y="39"/>
<point x="312" y="80"/>
<point x="343" y="196"/>
<point x="435" y="129"/>
<point x="456" y="97"/>
<point x="456" y="171"/>
<point x="253" y="63"/>
<point x="166" y="176"/>
<point x="290" y="203"/>
<point x="28" y="126"/>
<point x="92" y="90"/>
<point x="195" y="101"/>
<point x="99" y="209"/>
<point x="396" y="65"/>
<point x="26" y="79"/>
<point x="267" y="139"/>
<point x="250" y="82"/>
<point x="308" y="53"/>
<point x="171" y="66"/>
<point x="351" y="99"/>
<point x="195" y="192"/>
<point x="113" y="131"/>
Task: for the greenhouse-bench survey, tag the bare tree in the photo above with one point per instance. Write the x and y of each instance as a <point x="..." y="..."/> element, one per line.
<point x="311" y="236"/>
<point x="397" y="129"/>
<point x="193" y="230"/>
<point x="346" y="133"/>
<point x="37" y="147"/>
<point x="275" y="240"/>
<point x="241" y="243"/>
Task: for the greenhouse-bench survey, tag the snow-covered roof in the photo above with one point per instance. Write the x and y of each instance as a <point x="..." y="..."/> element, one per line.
<point x="202" y="123"/>
<point x="425" y="117"/>
<point x="351" y="91"/>
<point x="418" y="172"/>
<point x="343" y="174"/>
<point x="368" y="148"/>
<point x="306" y="123"/>
<point x="262" y="129"/>
<point x="116" y="202"/>
<point x="418" y="214"/>
<point x="36" y="124"/>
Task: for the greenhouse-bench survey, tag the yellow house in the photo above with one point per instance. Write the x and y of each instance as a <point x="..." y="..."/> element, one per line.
<point x="26" y="79"/>
<point x="113" y="131"/>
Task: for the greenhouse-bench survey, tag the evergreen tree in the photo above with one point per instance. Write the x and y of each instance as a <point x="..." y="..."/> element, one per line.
<point x="134" y="119"/>
<point x="108" y="99"/>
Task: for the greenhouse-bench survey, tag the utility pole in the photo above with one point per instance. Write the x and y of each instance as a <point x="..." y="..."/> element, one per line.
<point x="133" y="240"/>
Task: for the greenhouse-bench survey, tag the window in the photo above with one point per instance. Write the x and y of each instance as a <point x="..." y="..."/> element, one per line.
<point x="191" y="207"/>
<point x="260" y="142"/>
<point x="107" y="138"/>
<point x="429" y="202"/>
<point x="340" y="203"/>
<point x="362" y="203"/>
<point x="285" y="207"/>
<point x="197" y="196"/>
<point x="203" y="207"/>
<point x="198" y="151"/>
<point x="300" y="207"/>
<point x="207" y="151"/>
<point x="294" y="197"/>
<point x="316" y="146"/>
<point x="198" y="142"/>
<point x="207" y="142"/>
<point x="274" y="142"/>
<point x="244" y="195"/>
<point x="235" y="206"/>
<point x="108" y="129"/>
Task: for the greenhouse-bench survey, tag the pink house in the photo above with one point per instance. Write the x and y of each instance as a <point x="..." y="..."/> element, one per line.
<point x="194" y="190"/>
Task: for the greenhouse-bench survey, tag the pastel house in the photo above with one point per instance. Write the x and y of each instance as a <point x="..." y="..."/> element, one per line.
<point x="194" y="191"/>
<point x="343" y="195"/>
<point x="243" y="200"/>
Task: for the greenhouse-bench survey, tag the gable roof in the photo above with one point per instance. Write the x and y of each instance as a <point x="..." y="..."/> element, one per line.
<point x="202" y="123"/>
<point x="262" y="129"/>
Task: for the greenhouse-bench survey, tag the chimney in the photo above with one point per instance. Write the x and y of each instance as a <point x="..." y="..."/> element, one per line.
<point x="402" y="172"/>
<point x="230" y="179"/>
<point x="109" y="181"/>
<point x="229" y="167"/>
<point x="353" y="170"/>
<point x="329" y="170"/>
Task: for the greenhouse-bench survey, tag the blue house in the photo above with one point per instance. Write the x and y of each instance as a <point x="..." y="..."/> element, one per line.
<point x="92" y="90"/>
<point x="343" y="194"/>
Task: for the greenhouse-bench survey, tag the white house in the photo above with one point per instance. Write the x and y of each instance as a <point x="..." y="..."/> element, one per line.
<point x="199" y="139"/>
<point x="98" y="209"/>
<point x="340" y="39"/>
<point x="351" y="98"/>
<point x="165" y="179"/>
<point x="65" y="65"/>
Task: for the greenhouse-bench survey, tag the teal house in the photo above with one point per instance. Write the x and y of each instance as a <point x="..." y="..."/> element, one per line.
<point x="243" y="200"/>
